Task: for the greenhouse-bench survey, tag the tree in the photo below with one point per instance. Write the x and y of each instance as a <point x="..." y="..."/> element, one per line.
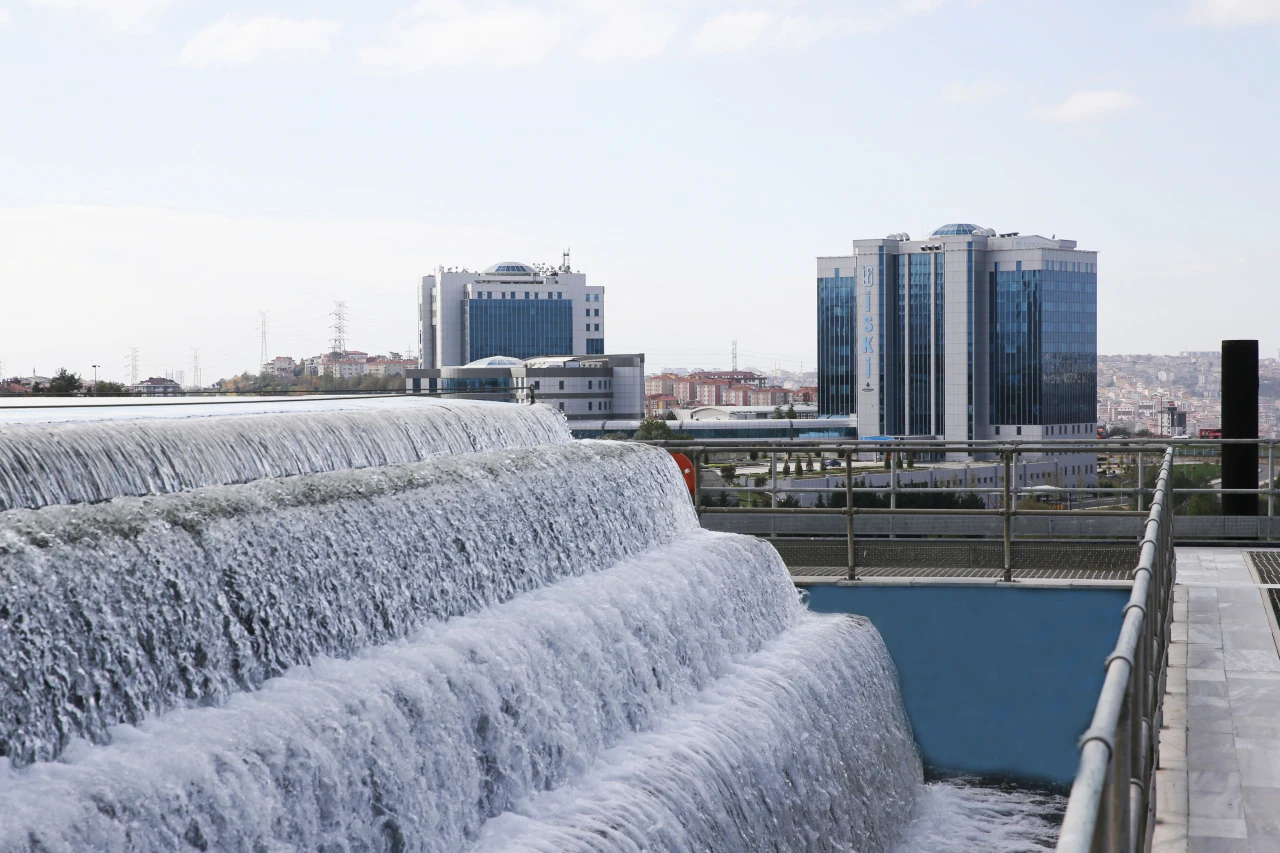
<point x="786" y="469"/>
<point x="791" y="411"/>
<point x="671" y="415"/>
<point x="62" y="382"/>
<point x="777" y="413"/>
<point x="652" y="429"/>
<point x="789" y="501"/>
<point x="808" y="464"/>
<point x="728" y="472"/>
<point x="108" y="389"/>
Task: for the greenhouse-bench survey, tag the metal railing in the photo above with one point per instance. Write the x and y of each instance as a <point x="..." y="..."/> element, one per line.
<point x="1009" y="481"/>
<point x="1112" y="806"/>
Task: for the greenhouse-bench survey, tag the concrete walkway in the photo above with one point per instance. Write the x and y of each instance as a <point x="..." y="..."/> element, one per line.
<point x="1218" y="783"/>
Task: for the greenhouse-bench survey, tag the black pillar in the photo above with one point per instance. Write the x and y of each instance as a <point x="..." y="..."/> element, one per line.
<point x="1240" y="420"/>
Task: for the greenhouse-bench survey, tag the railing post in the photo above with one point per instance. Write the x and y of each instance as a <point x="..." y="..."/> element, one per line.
<point x="697" y="482"/>
<point x="1271" y="485"/>
<point x="852" y="573"/>
<point x="893" y="490"/>
<point x="1142" y="474"/>
<point x="773" y="477"/>
<point x="1118" y="793"/>
<point x="1008" y="516"/>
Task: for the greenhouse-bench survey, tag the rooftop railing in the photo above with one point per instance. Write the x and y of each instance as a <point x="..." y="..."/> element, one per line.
<point x="769" y="501"/>
<point x="1112" y="807"/>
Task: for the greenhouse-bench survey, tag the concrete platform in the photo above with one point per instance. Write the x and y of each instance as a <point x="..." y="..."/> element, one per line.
<point x="1218" y="781"/>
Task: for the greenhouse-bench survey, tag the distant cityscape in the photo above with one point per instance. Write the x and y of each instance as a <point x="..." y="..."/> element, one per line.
<point x="966" y="333"/>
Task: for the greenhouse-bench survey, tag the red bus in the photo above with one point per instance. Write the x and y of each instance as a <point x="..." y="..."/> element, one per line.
<point x="1211" y="433"/>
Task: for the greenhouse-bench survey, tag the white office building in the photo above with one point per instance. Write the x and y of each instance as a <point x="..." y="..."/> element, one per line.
<point x="511" y="309"/>
<point x="966" y="334"/>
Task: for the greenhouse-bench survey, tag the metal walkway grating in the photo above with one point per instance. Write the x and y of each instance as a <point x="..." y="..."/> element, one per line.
<point x="1267" y="565"/>
<point x="963" y="573"/>
<point x="940" y="558"/>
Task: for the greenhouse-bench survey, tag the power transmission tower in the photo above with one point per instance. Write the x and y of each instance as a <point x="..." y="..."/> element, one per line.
<point x="195" y="368"/>
<point x="339" y="327"/>
<point x="735" y="356"/>
<point x="133" y="365"/>
<point x="262" y="357"/>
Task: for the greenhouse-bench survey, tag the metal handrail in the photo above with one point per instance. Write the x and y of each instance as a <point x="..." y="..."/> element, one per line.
<point x="1112" y="807"/>
<point x="1003" y="456"/>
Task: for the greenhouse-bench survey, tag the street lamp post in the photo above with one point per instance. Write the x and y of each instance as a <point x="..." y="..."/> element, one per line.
<point x="95" y="373"/>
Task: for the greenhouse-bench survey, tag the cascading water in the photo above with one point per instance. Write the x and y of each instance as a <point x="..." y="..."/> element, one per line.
<point x="515" y="649"/>
<point x="152" y="452"/>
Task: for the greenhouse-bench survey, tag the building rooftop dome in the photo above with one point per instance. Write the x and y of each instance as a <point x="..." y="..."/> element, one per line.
<point x="955" y="228"/>
<point x="509" y="268"/>
<point x="496" y="361"/>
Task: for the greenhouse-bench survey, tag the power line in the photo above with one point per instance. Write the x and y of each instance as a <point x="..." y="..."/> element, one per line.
<point x="262" y="359"/>
<point x="339" y="327"/>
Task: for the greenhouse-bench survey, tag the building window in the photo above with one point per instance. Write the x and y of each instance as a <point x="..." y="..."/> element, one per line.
<point x="997" y="430"/>
<point x="597" y="327"/>
<point x="526" y="294"/>
<point x="537" y="385"/>
<point x="1019" y="430"/>
<point x="559" y="294"/>
<point x="562" y="388"/>
<point x="589" y="388"/>
<point x="588" y="310"/>
<point x="589" y="406"/>
<point x="562" y="407"/>
<point x="597" y="312"/>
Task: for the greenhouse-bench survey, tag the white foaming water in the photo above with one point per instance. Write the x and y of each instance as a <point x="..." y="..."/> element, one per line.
<point x="110" y="612"/>
<point x="424" y="740"/>
<point x="148" y="450"/>
<point x="963" y="816"/>
<point x="530" y="648"/>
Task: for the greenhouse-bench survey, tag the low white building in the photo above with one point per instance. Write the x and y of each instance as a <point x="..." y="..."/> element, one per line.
<point x="580" y="386"/>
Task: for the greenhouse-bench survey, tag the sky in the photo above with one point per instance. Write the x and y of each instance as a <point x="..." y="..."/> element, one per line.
<point x="171" y="168"/>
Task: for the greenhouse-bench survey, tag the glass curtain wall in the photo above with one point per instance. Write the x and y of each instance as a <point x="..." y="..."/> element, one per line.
<point x="837" y="333"/>
<point x="520" y="328"/>
<point x="919" y="323"/>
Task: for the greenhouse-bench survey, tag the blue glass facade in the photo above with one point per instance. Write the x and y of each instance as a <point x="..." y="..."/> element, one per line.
<point x="837" y="333"/>
<point x="520" y="328"/>
<point x="939" y="339"/>
<point x="919" y="370"/>
<point x="1044" y="352"/>
<point x="595" y="346"/>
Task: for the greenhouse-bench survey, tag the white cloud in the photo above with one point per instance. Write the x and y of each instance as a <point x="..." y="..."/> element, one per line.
<point x="1084" y="106"/>
<point x="236" y="41"/>
<point x="920" y="7"/>
<point x="115" y="15"/>
<point x="735" y="32"/>
<point x="629" y="36"/>
<point x="449" y="34"/>
<point x="1231" y="13"/>
<point x="5" y="17"/>
<point x="972" y="92"/>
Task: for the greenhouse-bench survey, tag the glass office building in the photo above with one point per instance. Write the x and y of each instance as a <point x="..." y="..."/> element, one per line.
<point x="965" y="334"/>
<point x="511" y="309"/>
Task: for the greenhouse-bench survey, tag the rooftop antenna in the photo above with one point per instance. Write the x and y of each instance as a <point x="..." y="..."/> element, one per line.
<point x="564" y="261"/>
<point x="339" y="316"/>
<point x="133" y="365"/>
<point x="262" y="322"/>
<point x="735" y="356"/>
